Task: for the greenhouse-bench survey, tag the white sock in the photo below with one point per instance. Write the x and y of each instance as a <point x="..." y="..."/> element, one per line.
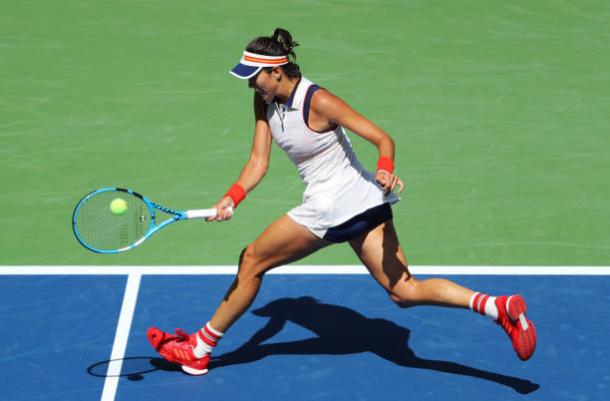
<point x="207" y="338"/>
<point x="484" y="304"/>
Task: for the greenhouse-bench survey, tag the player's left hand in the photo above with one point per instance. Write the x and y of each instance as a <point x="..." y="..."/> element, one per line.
<point x="388" y="181"/>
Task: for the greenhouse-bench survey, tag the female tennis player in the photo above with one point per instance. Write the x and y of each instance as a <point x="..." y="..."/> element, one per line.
<point x="343" y="202"/>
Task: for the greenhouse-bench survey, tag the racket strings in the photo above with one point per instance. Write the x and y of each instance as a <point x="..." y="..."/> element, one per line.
<point x="102" y="229"/>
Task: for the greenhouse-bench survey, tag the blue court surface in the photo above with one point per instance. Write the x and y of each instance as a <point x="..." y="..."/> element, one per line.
<point x="307" y="337"/>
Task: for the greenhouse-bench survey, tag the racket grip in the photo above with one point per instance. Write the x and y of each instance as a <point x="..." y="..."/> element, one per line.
<point x="202" y="213"/>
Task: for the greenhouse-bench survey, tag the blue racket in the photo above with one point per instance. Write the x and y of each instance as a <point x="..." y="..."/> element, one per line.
<point x="113" y="220"/>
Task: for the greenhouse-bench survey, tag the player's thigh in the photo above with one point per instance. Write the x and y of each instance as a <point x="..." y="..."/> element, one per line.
<point x="380" y="251"/>
<point x="283" y="241"/>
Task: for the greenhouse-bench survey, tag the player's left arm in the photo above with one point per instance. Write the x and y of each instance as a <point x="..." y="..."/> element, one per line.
<point x="326" y="107"/>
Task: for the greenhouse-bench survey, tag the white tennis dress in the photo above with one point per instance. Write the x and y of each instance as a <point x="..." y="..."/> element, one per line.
<point x="337" y="186"/>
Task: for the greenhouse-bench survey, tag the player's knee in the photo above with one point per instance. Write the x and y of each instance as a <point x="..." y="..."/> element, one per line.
<point x="247" y="257"/>
<point x="406" y="294"/>
<point x="401" y="301"/>
<point x="248" y="262"/>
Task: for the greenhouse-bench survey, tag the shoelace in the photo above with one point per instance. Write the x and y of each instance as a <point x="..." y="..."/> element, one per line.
<point x="182" y="335"/>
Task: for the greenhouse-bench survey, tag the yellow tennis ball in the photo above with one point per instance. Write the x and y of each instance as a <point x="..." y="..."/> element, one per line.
<point x="118" y="206"/>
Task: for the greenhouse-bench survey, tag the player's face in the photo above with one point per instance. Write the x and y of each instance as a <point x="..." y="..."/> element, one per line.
<point x="264" y="84"/>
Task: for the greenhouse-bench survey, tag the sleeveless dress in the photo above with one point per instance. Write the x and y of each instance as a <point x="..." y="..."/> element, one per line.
<point x="337" y="186"/>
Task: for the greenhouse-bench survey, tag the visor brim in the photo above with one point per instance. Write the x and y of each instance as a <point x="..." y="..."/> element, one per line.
<point x="243" y="71"/>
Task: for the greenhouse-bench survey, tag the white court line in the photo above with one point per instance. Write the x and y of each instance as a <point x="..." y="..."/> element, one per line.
<point x="306" y="269"/>
<point x="122" y="335"/>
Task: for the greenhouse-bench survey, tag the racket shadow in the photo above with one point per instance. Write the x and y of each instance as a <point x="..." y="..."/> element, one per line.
<point x="341" y="331"/>
<point x="133" y="368"/>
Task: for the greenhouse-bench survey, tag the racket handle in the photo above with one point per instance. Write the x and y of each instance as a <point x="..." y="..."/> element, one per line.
<point x="202" y="213"/>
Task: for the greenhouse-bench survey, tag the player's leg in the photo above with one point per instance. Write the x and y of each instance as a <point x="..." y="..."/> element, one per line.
<point x="381" y="253"/>
<point x="284" y="241"/>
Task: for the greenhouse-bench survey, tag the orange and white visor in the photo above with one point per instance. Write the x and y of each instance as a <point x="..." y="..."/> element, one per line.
<point x="251" y="63"/>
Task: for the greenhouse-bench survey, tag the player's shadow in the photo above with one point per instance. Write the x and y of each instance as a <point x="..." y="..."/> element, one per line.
<point x="340" y="330"/>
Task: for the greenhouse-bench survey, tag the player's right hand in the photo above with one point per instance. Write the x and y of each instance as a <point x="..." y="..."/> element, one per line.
<point x="223" y="209"/>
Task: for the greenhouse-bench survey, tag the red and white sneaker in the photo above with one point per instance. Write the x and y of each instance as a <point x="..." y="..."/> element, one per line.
<point x="511" y="316"/>
<point x="178" y="348"/>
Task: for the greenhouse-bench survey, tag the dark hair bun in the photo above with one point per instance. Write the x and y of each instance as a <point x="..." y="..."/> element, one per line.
<point x="284" y="38"/>
<point x="279" y="44"/>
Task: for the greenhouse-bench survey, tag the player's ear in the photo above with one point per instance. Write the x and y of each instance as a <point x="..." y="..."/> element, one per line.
<point x="276" y="73"/>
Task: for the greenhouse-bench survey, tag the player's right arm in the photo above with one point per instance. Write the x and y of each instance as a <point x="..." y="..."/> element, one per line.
<point x="258" y="163"/>
<point x="256" y="167"/>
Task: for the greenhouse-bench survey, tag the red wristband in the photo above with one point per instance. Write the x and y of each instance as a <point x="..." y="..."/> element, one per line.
<point x="237" y="193"/>
<point x="386" y="164"/>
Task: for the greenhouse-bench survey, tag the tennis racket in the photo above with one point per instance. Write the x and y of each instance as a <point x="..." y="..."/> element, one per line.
<point x="113" y="220"/>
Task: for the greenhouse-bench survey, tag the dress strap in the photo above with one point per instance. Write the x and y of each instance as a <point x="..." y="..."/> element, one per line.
<point x="307" y="103"/>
